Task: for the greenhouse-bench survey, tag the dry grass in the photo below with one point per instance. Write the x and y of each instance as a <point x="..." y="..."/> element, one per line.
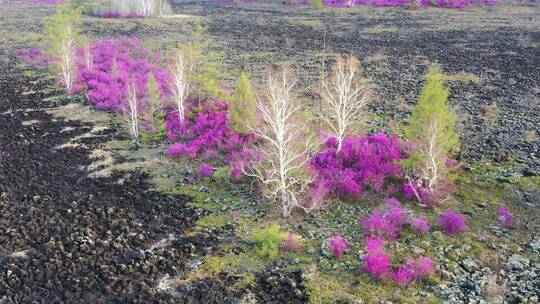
<point x="495" y="290"/>
<point x="531" y="136"/>
<point x="30" y="122"/>
<point x="490" y="111"/>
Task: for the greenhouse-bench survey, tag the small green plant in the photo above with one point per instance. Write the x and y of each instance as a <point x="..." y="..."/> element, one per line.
<point x="153" y="117"/>
<point x="212" y="221"/>
<point x="63" y="34"/>
<point x="268" y="242"/>
<point x="213" y="265"/>
<point x="315" y="4"/>
<point x="243" y="106"/>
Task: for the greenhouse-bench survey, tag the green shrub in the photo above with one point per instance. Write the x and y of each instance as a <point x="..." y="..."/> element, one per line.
<point x="153" y="117"/>
<point x="268" y="242"/>
<point x="205" y="62"/>
<point x="315" y="4"/>
<point x="243" y="106"/>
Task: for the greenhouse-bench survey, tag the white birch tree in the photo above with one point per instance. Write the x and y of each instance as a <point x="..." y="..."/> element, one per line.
<point x="344" y="96"/>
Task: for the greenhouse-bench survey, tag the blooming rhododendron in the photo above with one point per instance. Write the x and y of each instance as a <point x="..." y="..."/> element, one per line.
<point x="387" y="220"/>
<point x="419" y="225"/>
<point x="34" y="57"/>
<point x="505" y="217"/>
<point x="113" y="66"/>
<point x="205" y="131"/>
<point x="411" y="270"/>
<point x="205" y="170"/>
<point x="337" y="244"/>
<point x="452" y="222"/>
<point x="376" y="260"/>
<point x="404" y="276"/>
<point x="364" y="163"/>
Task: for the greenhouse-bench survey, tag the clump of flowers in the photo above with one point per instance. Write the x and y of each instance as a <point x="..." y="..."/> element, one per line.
<point x="387" y="220"/>
<point x="379" y="265"/>
<point x="205" y="132"/>
<point x="292" y="242"/>
<point x="419" y="225"/>
<point x="113" y="66"/>
<point x="452" y="222"/>
<point x="505" y="217"/>
<point x="337" y="244"/>
<point x="363" y="163"/>
<point x="34" y="57"/>
<point x="205" y="170"/>
<point x="377" y="262"/>
<point x="412" y="270"/>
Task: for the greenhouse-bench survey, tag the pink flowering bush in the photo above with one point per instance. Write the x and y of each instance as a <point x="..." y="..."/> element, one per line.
<point x="452" y="222"/>
<point x="419" y="225"/>
<point x="364" y="163"/>
<point x="412" y="270"/>
<point x="387" y="220"/>
<point x="206" y="133"/>
<point x="113" y="66"/>
<point x="34" y="56"/>
<point x="377" y="262"/>
<point x="205" y="170"/>
<point x="337" y="244"/>
<point x="505" y="217"/>
<point x="404" y="276"/>
<point x="379" y="265"/>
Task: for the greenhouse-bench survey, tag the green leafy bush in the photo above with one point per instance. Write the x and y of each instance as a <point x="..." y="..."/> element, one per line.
<point x="432" y="127"/>
<point x="242" y="106"/>
<point x="268" y="242"/>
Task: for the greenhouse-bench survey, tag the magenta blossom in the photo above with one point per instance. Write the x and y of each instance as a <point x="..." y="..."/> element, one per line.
<point x="452" y="222"/>
<point x="505" y="217"/>
<point x="337" y="244"/>
<point x="205" y="170"/>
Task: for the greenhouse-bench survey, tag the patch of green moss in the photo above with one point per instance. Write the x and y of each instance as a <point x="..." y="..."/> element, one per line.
<point x="212" y="221"/>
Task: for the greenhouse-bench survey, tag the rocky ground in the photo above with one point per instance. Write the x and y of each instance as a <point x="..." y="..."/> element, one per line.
<point x="69" y="234"/>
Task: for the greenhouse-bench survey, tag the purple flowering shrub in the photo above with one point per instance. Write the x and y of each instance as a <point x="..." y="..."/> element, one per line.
<point x="419" y="225"/>
<point x="452" y="222"/>
<point x="411" y="270"/>
<point x="377" y="262"/>
<point x="505" y="217"/>
<point x="113" y="66"/>
<point x="364" y="163"/>
<point x="205" y="170"/>
<point x="386" y="221"/>
<point x="34" y="56"/>
<point x="337" y="244"/>
<point x="205" y="132"/>
<point x="379" y="265"/>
